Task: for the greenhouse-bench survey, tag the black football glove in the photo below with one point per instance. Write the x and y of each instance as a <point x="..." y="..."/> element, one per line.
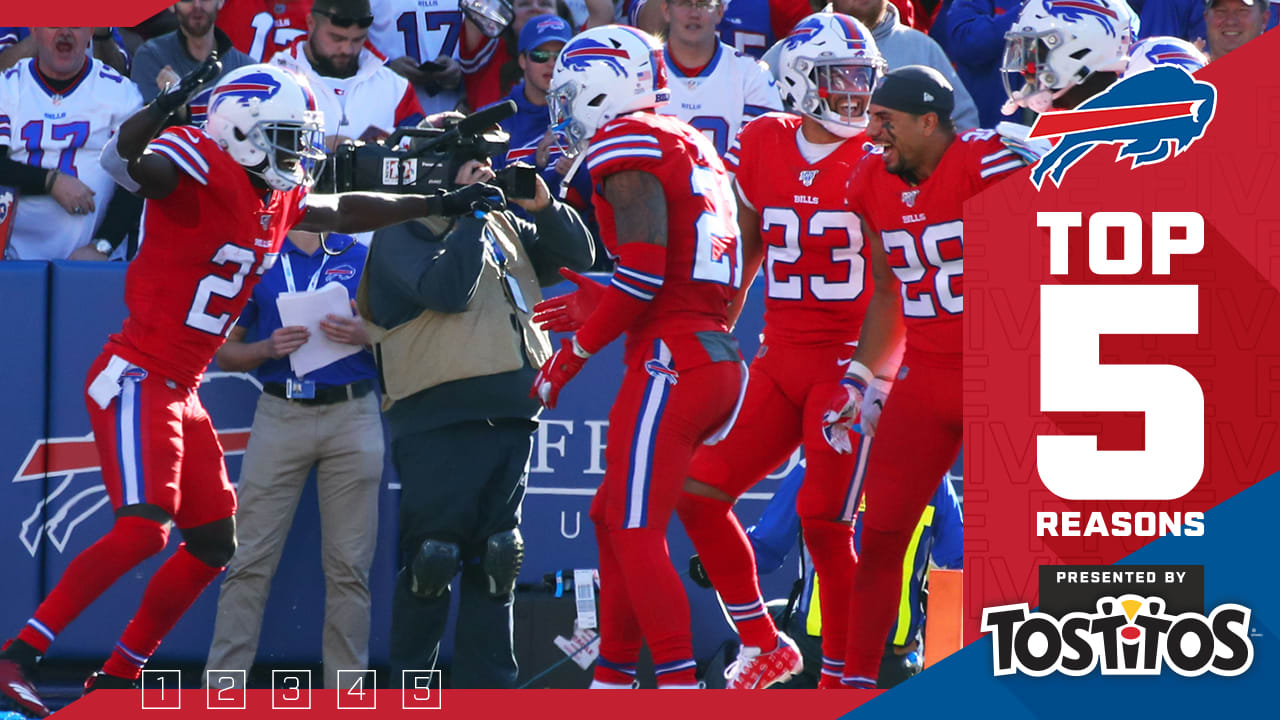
<point x="476" y="198"/>
<point x="181" y="93"/>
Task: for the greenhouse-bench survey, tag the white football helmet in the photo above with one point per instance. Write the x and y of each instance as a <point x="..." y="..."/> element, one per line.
<point x="829" y="62"/>
<point x="1163" y="50"/>
<point x="1055" y="45"/>
<point x="265" y="117"/>
<point x="603" y="73"/>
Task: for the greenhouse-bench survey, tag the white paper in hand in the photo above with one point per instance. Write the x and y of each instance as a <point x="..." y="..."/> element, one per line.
<point x="307" y="309"/>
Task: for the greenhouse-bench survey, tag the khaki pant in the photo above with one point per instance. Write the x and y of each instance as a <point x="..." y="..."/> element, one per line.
<point x="344" y="442"/>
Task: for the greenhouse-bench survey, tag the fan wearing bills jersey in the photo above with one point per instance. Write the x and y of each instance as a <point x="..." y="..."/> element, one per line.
<point x="57" y="110"/>
<point x="664" y="204"/>
<point x="792" y="172"/>
<point x="420" y="40"/>
<point x="910" y="196"/>
<point x="748" y="26"/>
<point x="219" y="201"/>
<point x="714" y="88"/>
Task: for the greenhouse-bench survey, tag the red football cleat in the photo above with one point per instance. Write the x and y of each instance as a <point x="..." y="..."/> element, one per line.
<point x="754" y="670"/>
<point x="18" y="693"/>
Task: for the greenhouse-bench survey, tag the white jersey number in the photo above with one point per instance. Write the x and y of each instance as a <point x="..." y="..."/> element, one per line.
<point x="198" y="316"/>
<point x="718" y="254"/>
<point x="790" y="286"/>
<point x="919" y="258"/>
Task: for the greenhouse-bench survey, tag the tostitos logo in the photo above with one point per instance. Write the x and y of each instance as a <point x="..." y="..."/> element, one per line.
<point x="1125" y="635"/>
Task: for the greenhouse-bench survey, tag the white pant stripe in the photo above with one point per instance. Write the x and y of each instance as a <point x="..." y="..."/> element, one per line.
<point x="128" y="444"/>
<point x="642" y="453"/>
<point x="855" y="483"/>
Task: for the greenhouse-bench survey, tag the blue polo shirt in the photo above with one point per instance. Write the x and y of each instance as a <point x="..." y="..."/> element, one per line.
<point x="261" y="318"/>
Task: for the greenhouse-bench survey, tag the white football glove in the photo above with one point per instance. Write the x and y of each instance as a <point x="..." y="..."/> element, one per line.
<point x="1014" y="137"/>
<point x="873" y="404"/>
<point x="842" y="408"/>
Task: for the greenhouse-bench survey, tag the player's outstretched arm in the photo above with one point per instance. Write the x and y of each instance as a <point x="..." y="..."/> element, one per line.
<point x="640" y="222"/>
<point x="355" y="212"/>
<point x="125" y="155"/>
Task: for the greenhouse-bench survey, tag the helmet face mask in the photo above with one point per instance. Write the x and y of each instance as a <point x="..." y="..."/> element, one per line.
<point x="571" y="136"/>
<point x="265" y="118"/>
<point x="844" y="92"/>
<point x="293" y="153"/>
<point x="829" y="67"/>
<point x="1026" y="64"/>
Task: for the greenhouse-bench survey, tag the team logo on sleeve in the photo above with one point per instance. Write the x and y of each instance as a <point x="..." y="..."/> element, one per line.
<point x="1152" y="116"/>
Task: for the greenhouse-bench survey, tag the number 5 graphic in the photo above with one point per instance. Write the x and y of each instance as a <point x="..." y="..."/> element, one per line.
<point x="1072" y="317"/>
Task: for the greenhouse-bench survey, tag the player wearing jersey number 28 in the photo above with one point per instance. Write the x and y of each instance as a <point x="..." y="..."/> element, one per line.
<point x="665" y="209"/>
<point x="218" y="204"/>
<point x="792" y="173"/>
<point x="910" y="196"/>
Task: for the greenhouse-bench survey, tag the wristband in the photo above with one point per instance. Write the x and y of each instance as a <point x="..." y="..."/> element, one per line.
<point x="577" y="349"/>
<point x="858" y="375"/>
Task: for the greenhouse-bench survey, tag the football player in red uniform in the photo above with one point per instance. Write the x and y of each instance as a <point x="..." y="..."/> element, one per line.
<point x="666" y="214"/>
<point x="219" y="202"/>
<point x="792" y="172"/>
<point x="910" y="196"/>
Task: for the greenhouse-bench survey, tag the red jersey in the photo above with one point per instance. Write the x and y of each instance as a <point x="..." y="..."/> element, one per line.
<point x="817" y="273"/>
<point x="204" y="248"/>
<point x="704" y="257"/>
<point x="923" y="233"/>
<point x="482" y="70"/>
<point x="262" y="28"/>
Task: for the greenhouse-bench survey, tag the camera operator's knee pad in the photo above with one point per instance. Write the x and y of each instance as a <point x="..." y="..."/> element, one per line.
<point x="433" y="568"/>
<point x="503" y="557"/>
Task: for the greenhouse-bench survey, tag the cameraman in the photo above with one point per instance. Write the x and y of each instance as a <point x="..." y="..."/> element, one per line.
<point x="456" y="364"/>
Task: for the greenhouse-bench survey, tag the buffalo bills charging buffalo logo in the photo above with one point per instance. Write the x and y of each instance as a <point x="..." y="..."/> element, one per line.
<point x="1152" y="116"/>
<point x="802" y="33"/>
<point x="581" y="53"/>
<point x="1078" y="10"/>
<point x="1170" y="54"/>
<point x="662" y="371"/>
<point x="260" y="85"/>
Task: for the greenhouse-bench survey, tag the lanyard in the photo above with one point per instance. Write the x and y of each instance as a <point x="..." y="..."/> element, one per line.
<point x="288" y="272"/>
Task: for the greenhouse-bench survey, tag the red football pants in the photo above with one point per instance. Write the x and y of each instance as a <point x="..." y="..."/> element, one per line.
<point x="787" y="393"/>
<point x="158" y="447"/>
<point x="917" y="442"/>
<point x="657" y="421"/>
